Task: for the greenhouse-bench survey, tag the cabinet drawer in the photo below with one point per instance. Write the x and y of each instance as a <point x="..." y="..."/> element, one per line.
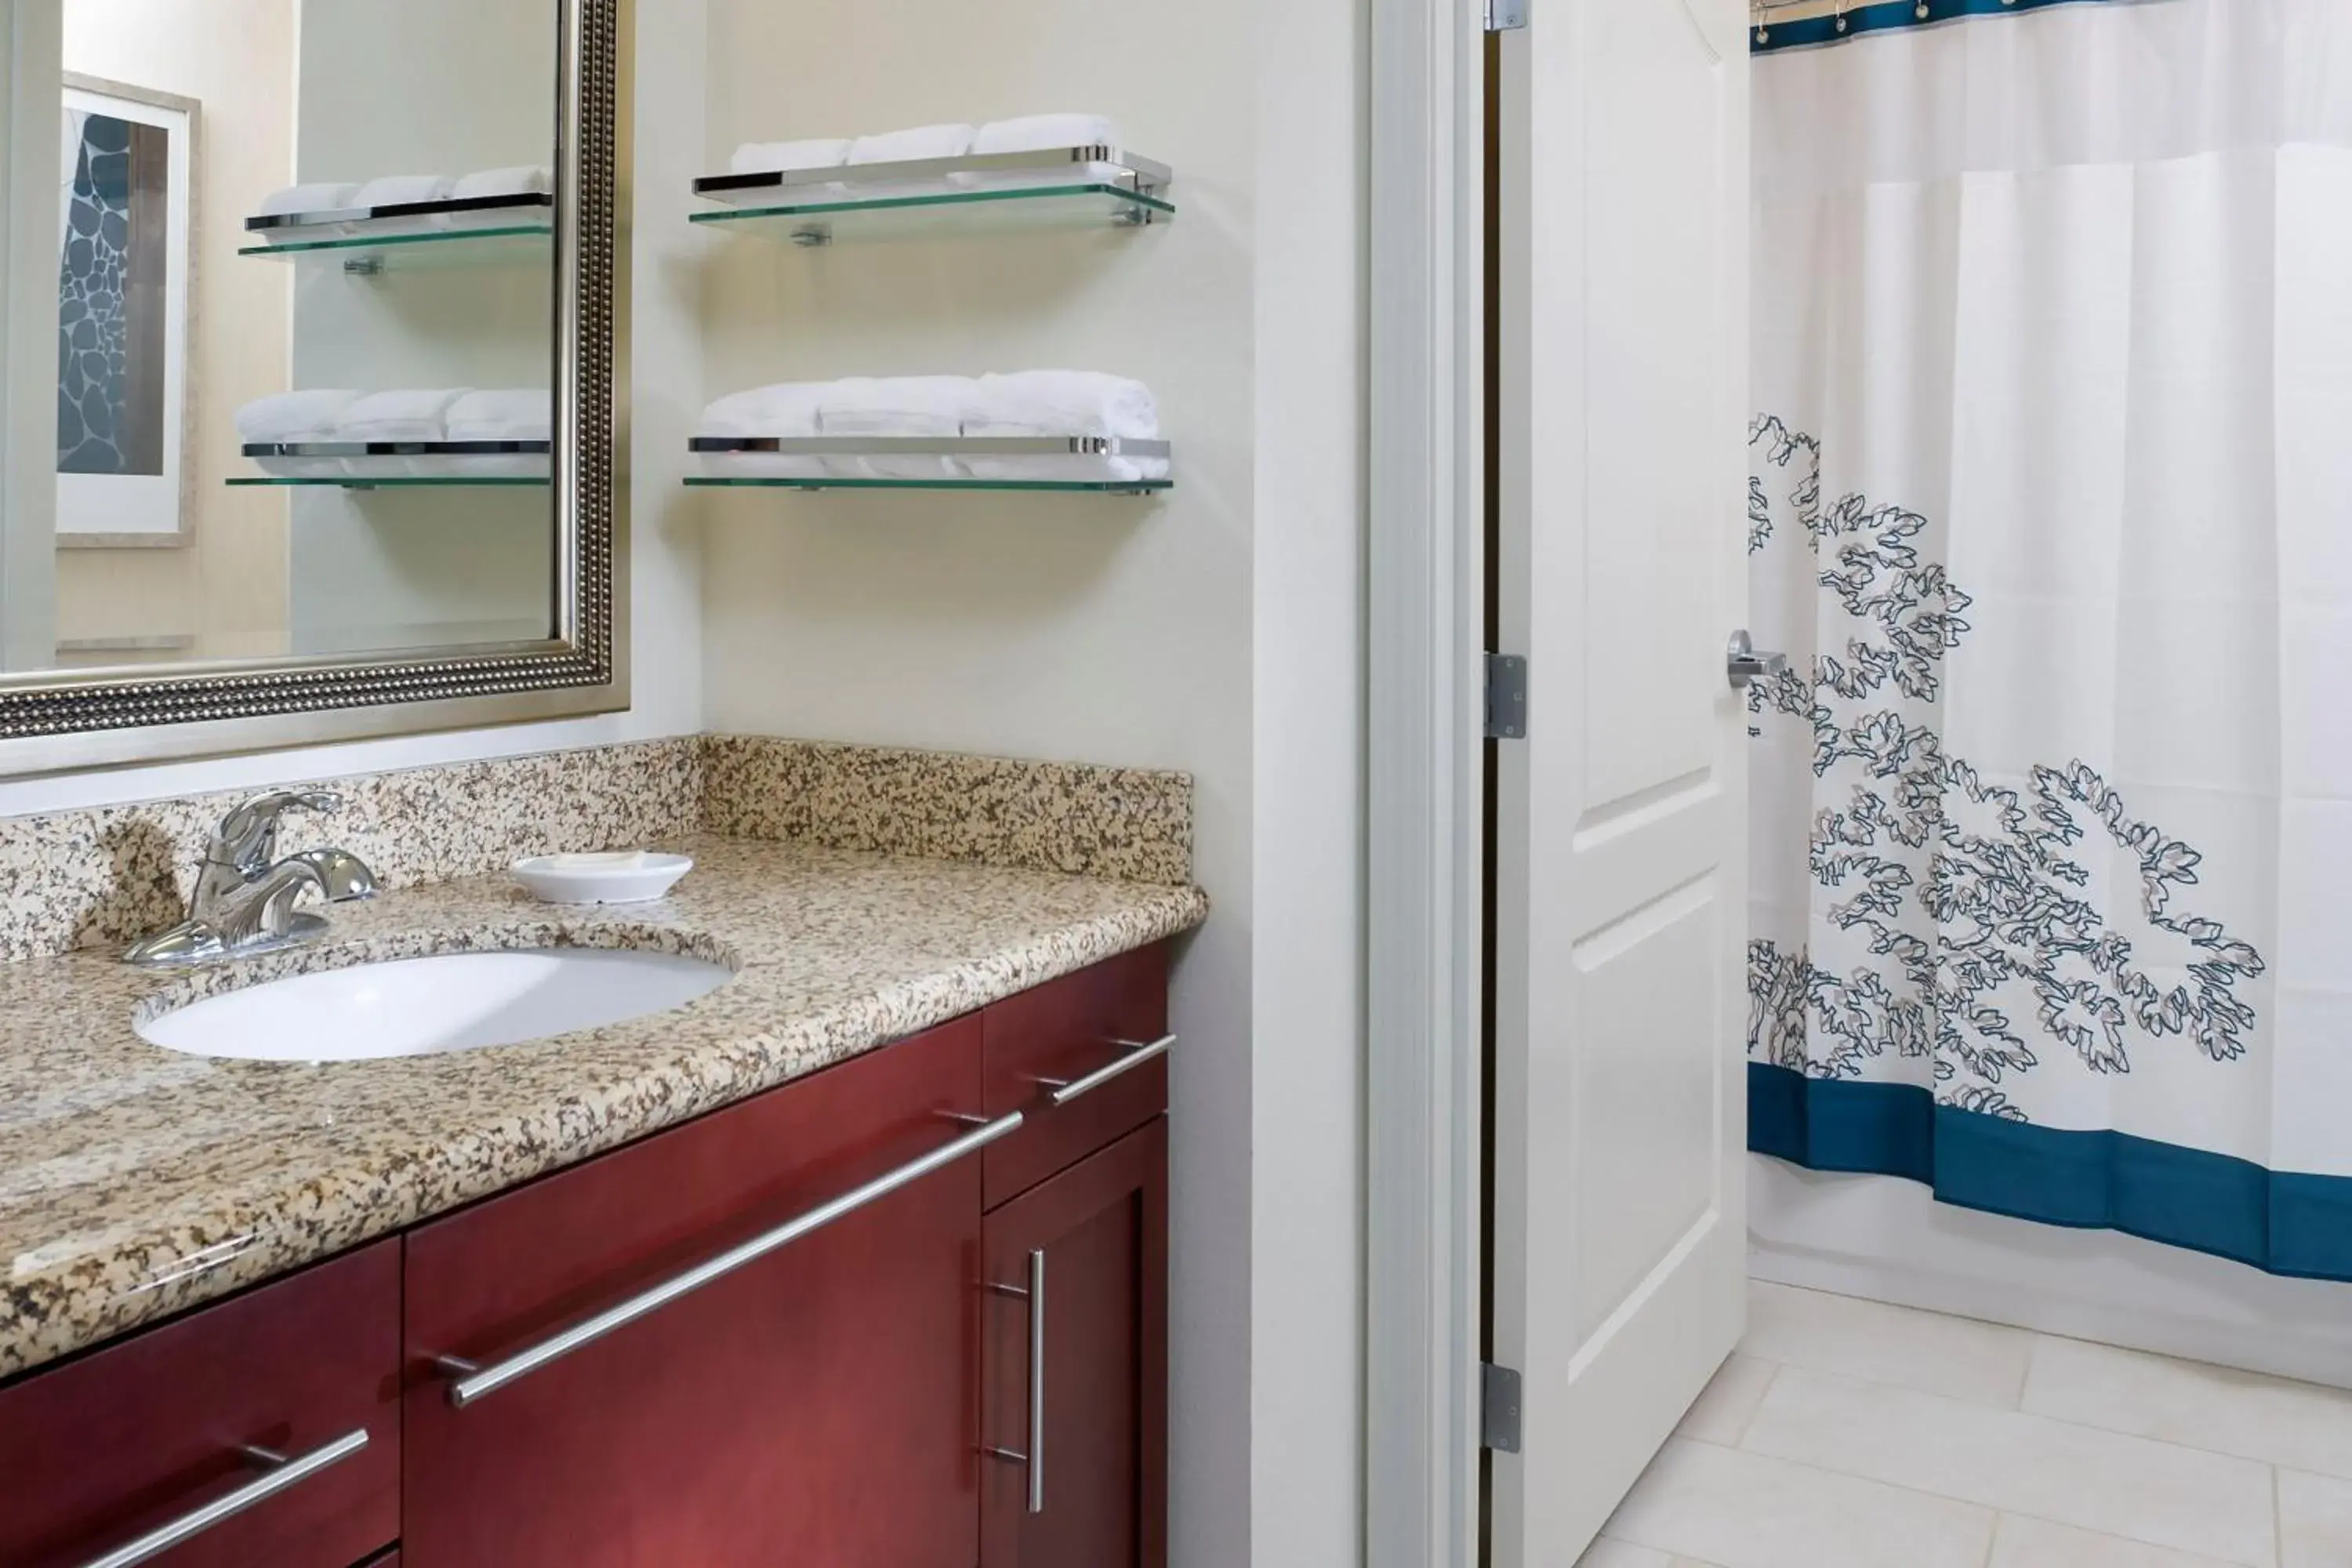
<point x="815" y="1403"/>
<point x="1059" y="1034"/>
<point x="103" y="1451"/>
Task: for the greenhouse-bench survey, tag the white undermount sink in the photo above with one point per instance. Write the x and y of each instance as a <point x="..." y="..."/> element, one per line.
<point x="419" y="1007"/>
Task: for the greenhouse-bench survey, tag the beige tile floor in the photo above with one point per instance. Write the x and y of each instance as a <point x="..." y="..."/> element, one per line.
<point x="1849" y="1434"/>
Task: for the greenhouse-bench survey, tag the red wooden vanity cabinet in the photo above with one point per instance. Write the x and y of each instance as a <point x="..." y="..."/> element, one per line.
<point x="858" y="1393"/>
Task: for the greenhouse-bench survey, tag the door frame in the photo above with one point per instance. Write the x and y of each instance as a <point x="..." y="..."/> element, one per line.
<point x="1425" y="617"/>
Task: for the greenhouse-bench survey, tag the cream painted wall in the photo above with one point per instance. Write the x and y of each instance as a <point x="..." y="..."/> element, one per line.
<point x="227" y="588"/>
<point x="1217" y="631"/>
<point x="666" y="393"/>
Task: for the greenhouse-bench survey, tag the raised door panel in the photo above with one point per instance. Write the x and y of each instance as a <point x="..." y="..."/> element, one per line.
<point x="816" y="1405"/>
<point x="1094" y="1424"/>
<point x="1060" y="1033"/>
<point x="102" y="1450"/>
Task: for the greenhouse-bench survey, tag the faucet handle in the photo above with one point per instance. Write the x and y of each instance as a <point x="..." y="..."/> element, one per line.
<point x="247" y="837"/>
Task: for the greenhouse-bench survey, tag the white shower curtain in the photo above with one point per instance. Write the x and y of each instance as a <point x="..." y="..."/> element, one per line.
<point x="2050" y="508"/>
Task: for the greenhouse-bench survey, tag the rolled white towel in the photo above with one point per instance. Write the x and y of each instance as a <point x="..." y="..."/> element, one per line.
<point x="513" y="413"/>
<point x="786" y="410"/>
<point x="521" y="180"/>
<point x="782" y="157"/>
<point x="408" y="414"/>
<point x="319" y="196"/>
<point x="1062" y="403"/>
<point x="917" y="141"/>
<point x="286" y="418"/>
<point x="1032" y="131"/>
<point x="403" y="190"/>
<point x="930" y="405"/>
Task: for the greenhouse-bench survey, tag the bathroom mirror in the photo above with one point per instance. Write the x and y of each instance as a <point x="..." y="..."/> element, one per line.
<point x="309" y="337"/>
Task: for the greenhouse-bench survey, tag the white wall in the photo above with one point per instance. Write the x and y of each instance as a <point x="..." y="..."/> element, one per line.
<point x="667" y="389"/>
<point x="1217" y="631"/>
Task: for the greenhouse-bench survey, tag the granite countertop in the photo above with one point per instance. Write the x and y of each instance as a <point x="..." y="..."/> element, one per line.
<point x="135" y="1182"/>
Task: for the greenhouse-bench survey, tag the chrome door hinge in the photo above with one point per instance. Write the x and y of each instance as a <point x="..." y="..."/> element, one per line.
<point x="1505" y="16"/>
<point x="1507" y="697"/>
<point x="1498" y="1409"/>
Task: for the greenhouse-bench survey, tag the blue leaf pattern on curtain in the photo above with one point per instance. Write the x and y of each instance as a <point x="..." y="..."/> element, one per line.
<point x="1985" y="948"/>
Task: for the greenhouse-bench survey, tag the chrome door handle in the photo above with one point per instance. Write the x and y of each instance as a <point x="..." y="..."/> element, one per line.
<point x="1034" y="1460"/>
<point x="471" y="1382"/>
<point x="1744" y="664"/>
<point x="284" y="1474"/>
<point x="1137" y="1053"/>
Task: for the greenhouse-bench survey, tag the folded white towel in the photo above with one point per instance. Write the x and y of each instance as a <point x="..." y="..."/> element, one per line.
<point x="787" y="410"/>
<point x="1032" y="131"/>
<point x="778" y="157"/>
<point x="522" y="180"/>
<point x="313" y="416"/>
<point x="404" y="415"/>
<point x="402" y="190"/>
<point x="1062" y="403"/>
<point x="516" y="414"/>
<point x="418" y="414"/>
<point x="898" y="405"/>
<point x="286" y="418"/>
<point x="320" y="196"/>
<point x="918" y="142"/>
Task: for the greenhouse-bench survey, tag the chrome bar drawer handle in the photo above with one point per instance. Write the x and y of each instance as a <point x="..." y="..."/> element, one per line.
<point x="1034" y="1460"/>
<point x="471" y="1382"/>
<point x="1137" y="1052"/>
<point x="284" y="1474"/>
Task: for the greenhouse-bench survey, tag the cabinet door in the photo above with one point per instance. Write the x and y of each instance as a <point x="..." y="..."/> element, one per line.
<point x="99" y="1453"/>
<point x="815" y="1405"/>
<point x="1077" y="1452"/>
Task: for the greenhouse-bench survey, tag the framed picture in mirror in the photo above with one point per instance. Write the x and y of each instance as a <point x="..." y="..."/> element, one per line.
<point x="125" y="260"/>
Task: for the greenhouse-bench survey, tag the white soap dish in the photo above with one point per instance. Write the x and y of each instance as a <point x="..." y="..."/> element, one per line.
<point x="615" y="877"/>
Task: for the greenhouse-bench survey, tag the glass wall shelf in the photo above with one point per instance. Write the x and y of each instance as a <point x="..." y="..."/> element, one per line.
<point x="365" y="241"/>
<point x="934" y="198"/>
<point x="1062" y="487"/>
<point x="398" y="465"/>
<point x="1075" y="465"/>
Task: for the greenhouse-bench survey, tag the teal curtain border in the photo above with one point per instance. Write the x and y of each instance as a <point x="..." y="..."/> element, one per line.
<point x="2278" y="1221"/>
<point x="1885" y="17"/>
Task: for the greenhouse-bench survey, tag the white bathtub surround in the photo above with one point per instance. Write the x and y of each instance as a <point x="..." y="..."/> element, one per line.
<point x="784" y="157"/>
<point x="898" y="405"/>
<point x="288" y="418"/>
<point x="1834" y="1439"/>
<point x="318" y="196"/>
<point x="2047" y="480"/>
<point x="1065" y="403"/>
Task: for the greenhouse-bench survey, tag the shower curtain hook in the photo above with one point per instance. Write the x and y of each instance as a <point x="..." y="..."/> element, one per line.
<point x="1756" y="15"/>
<point x="1840" y="15"/>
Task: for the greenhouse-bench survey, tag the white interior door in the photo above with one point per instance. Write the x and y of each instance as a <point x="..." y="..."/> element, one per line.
<point x="1619" y="1089"/>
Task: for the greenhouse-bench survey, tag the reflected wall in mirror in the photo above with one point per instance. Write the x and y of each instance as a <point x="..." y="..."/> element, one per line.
<point x="296" y="262"/>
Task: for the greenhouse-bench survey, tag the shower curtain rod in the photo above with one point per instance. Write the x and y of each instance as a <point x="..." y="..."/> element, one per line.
<point x="1798" y="24"/>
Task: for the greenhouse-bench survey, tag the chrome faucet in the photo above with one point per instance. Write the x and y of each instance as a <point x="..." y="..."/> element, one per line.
<point x="244" y="901"/>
